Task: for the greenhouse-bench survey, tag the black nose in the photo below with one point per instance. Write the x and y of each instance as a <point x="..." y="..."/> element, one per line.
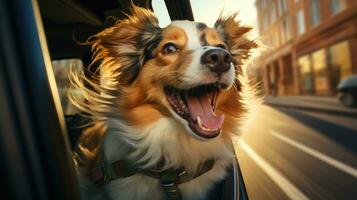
<point x="218" y="60"/>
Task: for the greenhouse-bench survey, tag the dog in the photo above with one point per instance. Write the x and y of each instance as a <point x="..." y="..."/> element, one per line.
<point x="166" y="101"/>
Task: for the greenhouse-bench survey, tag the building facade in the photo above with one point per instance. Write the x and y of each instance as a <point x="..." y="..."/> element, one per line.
<point x="310" y="45"/>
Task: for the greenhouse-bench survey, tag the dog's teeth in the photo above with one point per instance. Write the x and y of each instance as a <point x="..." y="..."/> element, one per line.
<point x="181" y="101"/>
<point x="199" y="122"/>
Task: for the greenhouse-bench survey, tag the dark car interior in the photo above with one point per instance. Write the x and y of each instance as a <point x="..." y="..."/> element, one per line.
<point x="68" y="23"/>
<point x="42" y="133"/>
<point x="66" y="20"/>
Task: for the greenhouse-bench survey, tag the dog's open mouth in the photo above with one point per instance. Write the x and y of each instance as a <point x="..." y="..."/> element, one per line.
<point x="197" y="106"/>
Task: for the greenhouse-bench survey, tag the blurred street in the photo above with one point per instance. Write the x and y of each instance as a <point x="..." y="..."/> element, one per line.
<point x="298" y="154"/>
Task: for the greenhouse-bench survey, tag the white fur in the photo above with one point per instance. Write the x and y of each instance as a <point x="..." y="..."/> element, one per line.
<point x="192" y="33"/>
<point x="164" y="138"/>
<point x="198" y="74"/>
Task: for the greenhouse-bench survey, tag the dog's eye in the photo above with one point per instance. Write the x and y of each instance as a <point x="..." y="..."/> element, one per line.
<point x="222" y="46"/>
<point x="169" y="48"/>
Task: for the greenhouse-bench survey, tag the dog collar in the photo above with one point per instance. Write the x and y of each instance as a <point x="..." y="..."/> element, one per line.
<point x="169" y="179"/>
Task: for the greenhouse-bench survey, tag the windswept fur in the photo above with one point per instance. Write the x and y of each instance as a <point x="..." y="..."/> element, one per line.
<point x="134" y="121"/>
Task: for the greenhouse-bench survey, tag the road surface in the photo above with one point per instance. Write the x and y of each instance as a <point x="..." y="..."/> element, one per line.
<point x="292" y="154"/>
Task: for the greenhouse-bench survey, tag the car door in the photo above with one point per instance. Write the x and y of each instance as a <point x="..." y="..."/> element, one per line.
<point x="35" y="156"/>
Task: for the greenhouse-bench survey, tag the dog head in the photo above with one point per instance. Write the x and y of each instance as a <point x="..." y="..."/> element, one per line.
<point x="186" y="71"/>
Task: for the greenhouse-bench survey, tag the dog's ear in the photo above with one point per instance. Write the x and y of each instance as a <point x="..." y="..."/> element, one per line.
<point x="124" y="47"/>
<point x="235" y="36"/>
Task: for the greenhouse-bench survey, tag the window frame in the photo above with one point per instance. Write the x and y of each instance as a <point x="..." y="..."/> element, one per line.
<point x="300" y="18"/>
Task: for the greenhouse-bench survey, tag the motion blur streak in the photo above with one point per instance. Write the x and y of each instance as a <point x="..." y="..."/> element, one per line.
<point x="290" y="189"/>
<point x="339" y="165"/>
<point x="334" y="136"/>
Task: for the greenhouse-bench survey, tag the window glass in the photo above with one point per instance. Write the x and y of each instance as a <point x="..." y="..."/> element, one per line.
<point x="340" y="62"/>
<point x="305" y="74"/>
<point x="284" y="4"/>
<point x="320" y="71"/>
<point x="315" y="12"/>
<point x="300" y="22"/>
<point x="337" y="6"/>
<point x="273" y="13"/>
<point x="286" y="28"/>
<point x="280" y="8"/>
<point x="62" y="69"/>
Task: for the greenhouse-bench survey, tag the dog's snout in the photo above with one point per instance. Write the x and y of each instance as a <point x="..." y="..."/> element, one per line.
<point x="218" y="60"/>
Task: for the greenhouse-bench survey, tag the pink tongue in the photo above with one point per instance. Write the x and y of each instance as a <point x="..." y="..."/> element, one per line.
<point x="201" y="106"/>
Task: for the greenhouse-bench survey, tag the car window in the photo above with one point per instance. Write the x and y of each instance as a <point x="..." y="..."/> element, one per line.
<point x="61" y="69"/>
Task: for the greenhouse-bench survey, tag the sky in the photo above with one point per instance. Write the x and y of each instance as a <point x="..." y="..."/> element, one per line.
<point x="207" y="11"/>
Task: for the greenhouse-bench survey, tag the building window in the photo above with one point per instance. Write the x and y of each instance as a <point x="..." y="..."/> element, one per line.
<point x="273" y="13"/>
<point x="280" y="8"/>
<point x="315" y="12"/>
<point x="340" y="62"/>
<point x="286" y="29"/>
<point x="320" y="71"/>
<point x="284" y="4"/>
<point x="306" y="81"/>
<point x="300" y="22"/>
<point x="337" y="6"/>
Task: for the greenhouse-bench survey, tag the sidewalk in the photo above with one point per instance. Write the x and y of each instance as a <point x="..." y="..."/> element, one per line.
<point x="329" y="105"/>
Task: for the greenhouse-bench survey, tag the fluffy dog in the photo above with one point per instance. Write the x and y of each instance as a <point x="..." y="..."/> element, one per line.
<point x="166" y="99"/>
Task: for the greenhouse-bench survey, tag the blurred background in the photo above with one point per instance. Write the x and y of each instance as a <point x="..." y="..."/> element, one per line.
<point x="303" y="142"/>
